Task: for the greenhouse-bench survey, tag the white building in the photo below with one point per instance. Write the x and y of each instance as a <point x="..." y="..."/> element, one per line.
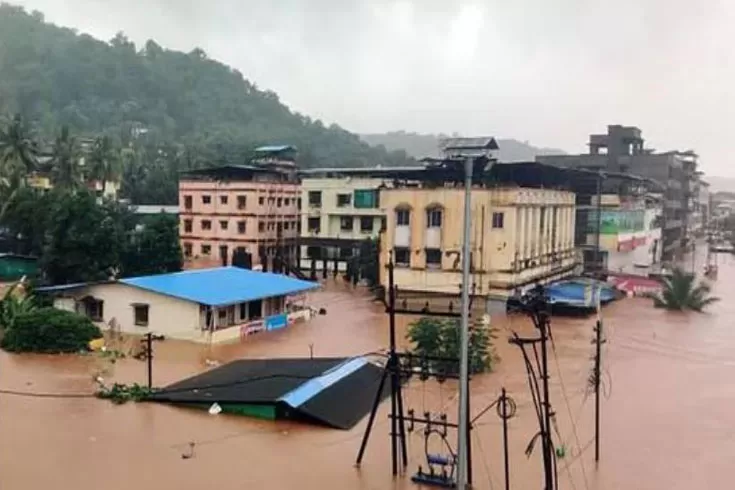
<point x="205" y="305"/>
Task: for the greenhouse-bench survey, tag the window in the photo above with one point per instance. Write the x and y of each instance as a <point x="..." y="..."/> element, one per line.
<point x="94" y="308"/>
<point x="242" y="202"/>
<point x="313" y="252"/>
<point x="299" y="203"/>
<point x="279" y="202"/>
<point x="402" y="256"/>
<point x="223" y="199"/>
<point x="498" y="220"/>
<point x="346" y="223"/>
<point x="261" y="226"/>
<point x="206" y="249"/>
<point x="345" y="253"/>
<point x="403" y="217"/>
<point x="383" y="224"/>
<point x="315" y="199"/>
<point x="433" y="258"/>
<point x="434" y="218"/>
<point x="286" y="201"/>
<point x="344" y="200"/>
<point x="366" y="199"/>
<point x="366" y="224"/>
<point x="286" y="225"/>
<point x="206" y="199"/>
<point x="187" y="226"/>
<point x="140" y="314"/>
<point x="542" y="220"/>
<point x="223" y="224"/>
<point x="187" y="249"/>
<point x="256" y="309"/>
<point x="187" y="202"/>
<point x="314" y="225"/>
<point x="206" y="224"/>
<point x="243" y="311"/>
<point x="241" y="227"/>
<point x="261" y="200"/>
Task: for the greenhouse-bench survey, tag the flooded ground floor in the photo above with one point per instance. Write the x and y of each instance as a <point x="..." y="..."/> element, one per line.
<point x="667" y="418"/>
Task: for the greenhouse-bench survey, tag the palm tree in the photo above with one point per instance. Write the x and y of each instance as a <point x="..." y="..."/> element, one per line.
<point x="680" y="292"/>
<point x="104" y="162"/>
<point x="14" y="304"/>
<point x="18" y="150"/>
<point x="65" y="170"/>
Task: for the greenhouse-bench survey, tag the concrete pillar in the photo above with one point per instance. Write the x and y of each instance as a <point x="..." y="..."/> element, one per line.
<point x="521" y="224"/>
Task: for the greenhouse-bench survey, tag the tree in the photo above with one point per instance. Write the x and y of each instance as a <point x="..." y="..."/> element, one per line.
<point x="65" y="169"/>
<point x="681" y="292"/>
<point x="12" y="305"/>
<point x="434" y="337"/>
<point x="18" y="150"/>
<point x="104" y="162"/>
<point x="84" y="238"/>
<point x="153" y="248"/>
<point x="48" y="330"/>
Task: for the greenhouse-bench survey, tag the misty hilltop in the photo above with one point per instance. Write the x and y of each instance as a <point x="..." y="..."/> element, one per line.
<point x="54" y="77"/>
<point x="427" y="145"/>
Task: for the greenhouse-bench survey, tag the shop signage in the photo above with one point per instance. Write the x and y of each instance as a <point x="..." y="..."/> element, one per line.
<point x="276" y="322"/>
<point x="252" y="328"/>
<point x="635" y="285"/>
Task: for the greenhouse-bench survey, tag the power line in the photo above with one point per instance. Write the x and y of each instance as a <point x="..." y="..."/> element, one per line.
<point x="31" y="394"/>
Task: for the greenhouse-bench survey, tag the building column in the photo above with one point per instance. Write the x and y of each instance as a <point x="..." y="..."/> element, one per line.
<point x="521" y="231"/>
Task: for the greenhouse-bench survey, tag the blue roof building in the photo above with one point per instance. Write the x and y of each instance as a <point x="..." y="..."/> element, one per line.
<point x="208" y="305"/>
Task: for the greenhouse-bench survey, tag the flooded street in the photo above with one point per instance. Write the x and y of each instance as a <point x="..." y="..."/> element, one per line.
<point x="667" y="418"/>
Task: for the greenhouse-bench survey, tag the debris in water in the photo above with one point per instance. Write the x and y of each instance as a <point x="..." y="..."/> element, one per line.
<point x="190" y="454"/>
<point x="215" y="409"/>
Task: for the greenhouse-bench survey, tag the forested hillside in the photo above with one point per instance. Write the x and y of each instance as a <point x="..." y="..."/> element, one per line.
<point x="150" y="97"/>
<point x="426" y="145"/>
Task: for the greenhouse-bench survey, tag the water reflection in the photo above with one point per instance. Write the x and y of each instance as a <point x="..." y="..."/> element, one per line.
<point x="666" y="421"/>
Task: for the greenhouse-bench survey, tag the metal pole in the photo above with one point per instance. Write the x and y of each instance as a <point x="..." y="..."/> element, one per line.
<point x="464" y="333"/>
<point x="392" y="362"/>
<point x="598" y="381"/>
<point x="547" y="446"/>
<point x="506" y="457"/>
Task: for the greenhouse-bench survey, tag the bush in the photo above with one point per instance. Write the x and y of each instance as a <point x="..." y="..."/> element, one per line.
<point x="48" y="330"/>
<point x="440" y="338"/>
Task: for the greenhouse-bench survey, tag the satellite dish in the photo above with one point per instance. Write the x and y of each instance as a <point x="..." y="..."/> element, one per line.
<point x="215" y="409"/>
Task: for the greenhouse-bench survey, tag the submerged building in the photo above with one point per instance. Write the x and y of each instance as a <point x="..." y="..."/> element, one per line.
<point x="522" y="229"/>
<point x="207" y="305"/>
<point x="621" y="151"/>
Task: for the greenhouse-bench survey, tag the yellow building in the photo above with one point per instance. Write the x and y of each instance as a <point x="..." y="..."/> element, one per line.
<point x="519" y="237"/>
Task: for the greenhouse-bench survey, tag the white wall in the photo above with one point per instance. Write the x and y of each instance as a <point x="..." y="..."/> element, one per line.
<point x="169" y="316"/>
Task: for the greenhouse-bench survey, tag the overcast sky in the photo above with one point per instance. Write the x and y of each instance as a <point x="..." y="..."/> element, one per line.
<point x="546" y="71"/>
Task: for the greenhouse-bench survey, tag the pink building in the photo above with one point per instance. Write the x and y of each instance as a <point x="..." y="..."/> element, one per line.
<point x="241" y="208"/>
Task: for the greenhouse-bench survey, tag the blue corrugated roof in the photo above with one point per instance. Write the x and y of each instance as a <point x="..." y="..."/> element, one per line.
<point x="270" y="148"/>
<point x="221" y="286"/>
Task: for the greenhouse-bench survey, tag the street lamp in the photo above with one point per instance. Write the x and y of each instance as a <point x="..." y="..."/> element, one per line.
<point x="473" y="151"/>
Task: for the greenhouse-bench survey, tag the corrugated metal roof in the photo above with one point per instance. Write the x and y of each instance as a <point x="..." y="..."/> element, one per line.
<point x="481" y="143"/>
<point x="221" y="286"/>
<point x="271" y="148"/>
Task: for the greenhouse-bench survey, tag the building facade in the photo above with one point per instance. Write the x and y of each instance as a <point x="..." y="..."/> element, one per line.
<point x="622" y="150"/>
<point x="213" y="305"/>
<point x="340" y="210"/>
<point x="629" y="234"/>
<point x="248" y="209"/>
<point x="519" y="237"/>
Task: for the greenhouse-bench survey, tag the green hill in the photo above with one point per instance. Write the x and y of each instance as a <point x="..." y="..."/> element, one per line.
<point x="427" y="145"/>
<point x="56" y="76"/>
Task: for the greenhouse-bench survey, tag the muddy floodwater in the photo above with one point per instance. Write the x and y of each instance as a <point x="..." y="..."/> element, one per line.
<point x="667" y="416"/>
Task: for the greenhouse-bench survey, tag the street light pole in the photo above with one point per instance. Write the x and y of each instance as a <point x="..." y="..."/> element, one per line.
<point x="463" y="442"/>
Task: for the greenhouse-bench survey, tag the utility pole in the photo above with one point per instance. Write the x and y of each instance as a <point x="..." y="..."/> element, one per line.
<point x="462" y="431"/>
<point x="548" y="446"/>
<point x="598" y="380"/>
<point x="149" y="358"/>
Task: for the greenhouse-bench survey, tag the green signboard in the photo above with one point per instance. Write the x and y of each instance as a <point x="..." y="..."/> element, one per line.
<point x="617" y="221"/>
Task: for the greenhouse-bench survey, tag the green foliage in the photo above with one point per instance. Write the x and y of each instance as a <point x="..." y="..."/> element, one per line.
<point x="84" y="240"/>
<point x="48" y="330"/>
<point x="172" y="109"/>
<point x="681" y="292"/>
<point x="12" y="306"/>
<point x="441" y="338"/>
<point x="154" y="248"/>
<point x="121" y="393"/>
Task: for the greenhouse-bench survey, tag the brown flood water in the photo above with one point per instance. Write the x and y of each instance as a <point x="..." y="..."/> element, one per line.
<point x="667" y="422"/>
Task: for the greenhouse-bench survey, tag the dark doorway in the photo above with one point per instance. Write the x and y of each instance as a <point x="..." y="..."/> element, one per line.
<point x="223" y="253"/>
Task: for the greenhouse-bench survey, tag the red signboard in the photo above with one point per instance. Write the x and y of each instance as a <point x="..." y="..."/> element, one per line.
<point x="252" y="328"/>
<point x="631" y="244"/>
<point x="635" y="285"/>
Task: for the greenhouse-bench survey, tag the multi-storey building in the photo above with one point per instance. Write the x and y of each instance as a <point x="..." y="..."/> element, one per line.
<point x="622" y="151"/>
<point x="519" y="237"/>
<point x="341" y="209"/>
<point x="250" y="209"/>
